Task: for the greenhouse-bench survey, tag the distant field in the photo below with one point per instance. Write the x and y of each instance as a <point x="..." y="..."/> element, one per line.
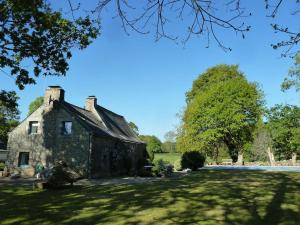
<point x="170" y="157"/>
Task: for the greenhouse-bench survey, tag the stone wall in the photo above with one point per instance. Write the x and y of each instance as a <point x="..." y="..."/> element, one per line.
<point x="100" y="156"/>
<point x="49" y="144"/>
<point x="113" y="157"/>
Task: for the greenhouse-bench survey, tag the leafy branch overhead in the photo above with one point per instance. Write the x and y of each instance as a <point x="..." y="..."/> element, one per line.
<point x="36" y="39"/>
<point x="199" y="18"/>
<point x="30" y="31"/>
<point x="8" y="105"/>
<point x="9" y="113"/>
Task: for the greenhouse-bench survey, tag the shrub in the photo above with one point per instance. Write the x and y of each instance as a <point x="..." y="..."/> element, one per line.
<point x="145" y="172"/>
<point x="192" y="160"/>
<point x="209" y="161"/>
<point x="2" y="165"/>
<point x="61" y="174"/>
<point x="177" y="165"/>
<point x="162" y="168"/>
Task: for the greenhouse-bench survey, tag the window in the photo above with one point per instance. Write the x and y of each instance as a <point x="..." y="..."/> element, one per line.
<point x="66" y="127"/>
<point x="23" y="159"/>
<point x="33" y="127"/>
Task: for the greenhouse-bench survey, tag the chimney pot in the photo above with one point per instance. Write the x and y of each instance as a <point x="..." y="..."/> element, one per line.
<point x="54" y="93"/>
<point x="90" y="103"/>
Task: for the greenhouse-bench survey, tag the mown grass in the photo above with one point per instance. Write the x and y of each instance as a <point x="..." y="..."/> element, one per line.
<point x="204" y="197"/>
<point x="169" y="157"/>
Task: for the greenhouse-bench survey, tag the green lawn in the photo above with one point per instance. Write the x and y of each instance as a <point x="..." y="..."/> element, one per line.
<point x="205" y="197"/>
<point x="170" y="157"/>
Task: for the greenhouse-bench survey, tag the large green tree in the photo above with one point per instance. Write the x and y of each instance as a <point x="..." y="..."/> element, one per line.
<point x="154" y="145"/>
<point x="262" y="140"/>
<point x="31" y="31"/>
<point x="9" y="113"/>
<point x="222" y="108"/>
<point x="34" y="105"/>
<point x="169" y="145"/>
<point x="284" y="125"/>
<point x="134" y="127"/>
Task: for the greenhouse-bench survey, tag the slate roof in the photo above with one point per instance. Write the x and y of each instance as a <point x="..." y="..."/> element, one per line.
<point x="106" y="123"/>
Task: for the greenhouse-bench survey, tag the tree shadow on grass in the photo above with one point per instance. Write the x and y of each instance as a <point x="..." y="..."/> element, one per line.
<point x="206" y="197"/>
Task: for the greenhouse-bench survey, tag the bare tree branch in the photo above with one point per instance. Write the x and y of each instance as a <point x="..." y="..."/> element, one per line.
<point x="200" y="18"/>
<point x="293" y="37"/>
<point x="158" y="14"/>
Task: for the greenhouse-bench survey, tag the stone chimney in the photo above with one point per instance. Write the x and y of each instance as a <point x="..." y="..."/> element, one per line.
<point x="90" y="103"/>
<point x="53" y="94"/>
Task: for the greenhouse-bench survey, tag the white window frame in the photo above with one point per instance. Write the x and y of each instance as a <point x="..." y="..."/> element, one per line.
<point x="33" y="124"/>
<point x="67" y="130"/>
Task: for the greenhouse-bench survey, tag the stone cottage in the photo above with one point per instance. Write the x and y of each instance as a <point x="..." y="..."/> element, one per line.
<point x="93" y="140"/>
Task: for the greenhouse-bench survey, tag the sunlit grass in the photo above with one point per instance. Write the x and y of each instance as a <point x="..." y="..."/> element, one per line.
<point x="206" y="197"/>
<point x="169" y="157"/>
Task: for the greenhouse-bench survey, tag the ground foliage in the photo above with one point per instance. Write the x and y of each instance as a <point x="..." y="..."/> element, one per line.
<point x="162" y="168"/>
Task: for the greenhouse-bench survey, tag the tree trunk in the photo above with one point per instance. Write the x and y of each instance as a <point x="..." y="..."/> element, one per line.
<point x="240" y="159"/>
<point x="294" y="158"/>
<point x="271" y="156"/>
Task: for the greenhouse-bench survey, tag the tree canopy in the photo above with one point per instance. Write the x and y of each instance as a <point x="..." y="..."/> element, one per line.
<point x="262" y="140"/>
<point x="293" y="79"/>
<point x="31" y="31"/>
<point x="170" y="136"/>
<point x="284" y="125"/>
<point x="9" y="113"/>
<point x="222" y="108"/>
<point x="169" y="145"/>
<point x="34" y="105"/>
<point x="9" y="105"/>
<point x="213" y="75"/>
<point x="154" y="145"/>
<point x="134" y="127"/>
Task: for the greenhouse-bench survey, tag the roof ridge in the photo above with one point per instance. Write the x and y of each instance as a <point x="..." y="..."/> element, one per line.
<point x="111" y="123"/>
<point x="101" y="107"/>
<point x="76" y="106"/>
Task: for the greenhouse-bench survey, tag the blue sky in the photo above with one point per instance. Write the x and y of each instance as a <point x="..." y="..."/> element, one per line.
<point x="146" y="80"/>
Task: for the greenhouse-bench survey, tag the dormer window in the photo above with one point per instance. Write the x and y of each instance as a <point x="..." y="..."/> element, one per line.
<point x="66" y="127"/>
<point x="33" y="127"/>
